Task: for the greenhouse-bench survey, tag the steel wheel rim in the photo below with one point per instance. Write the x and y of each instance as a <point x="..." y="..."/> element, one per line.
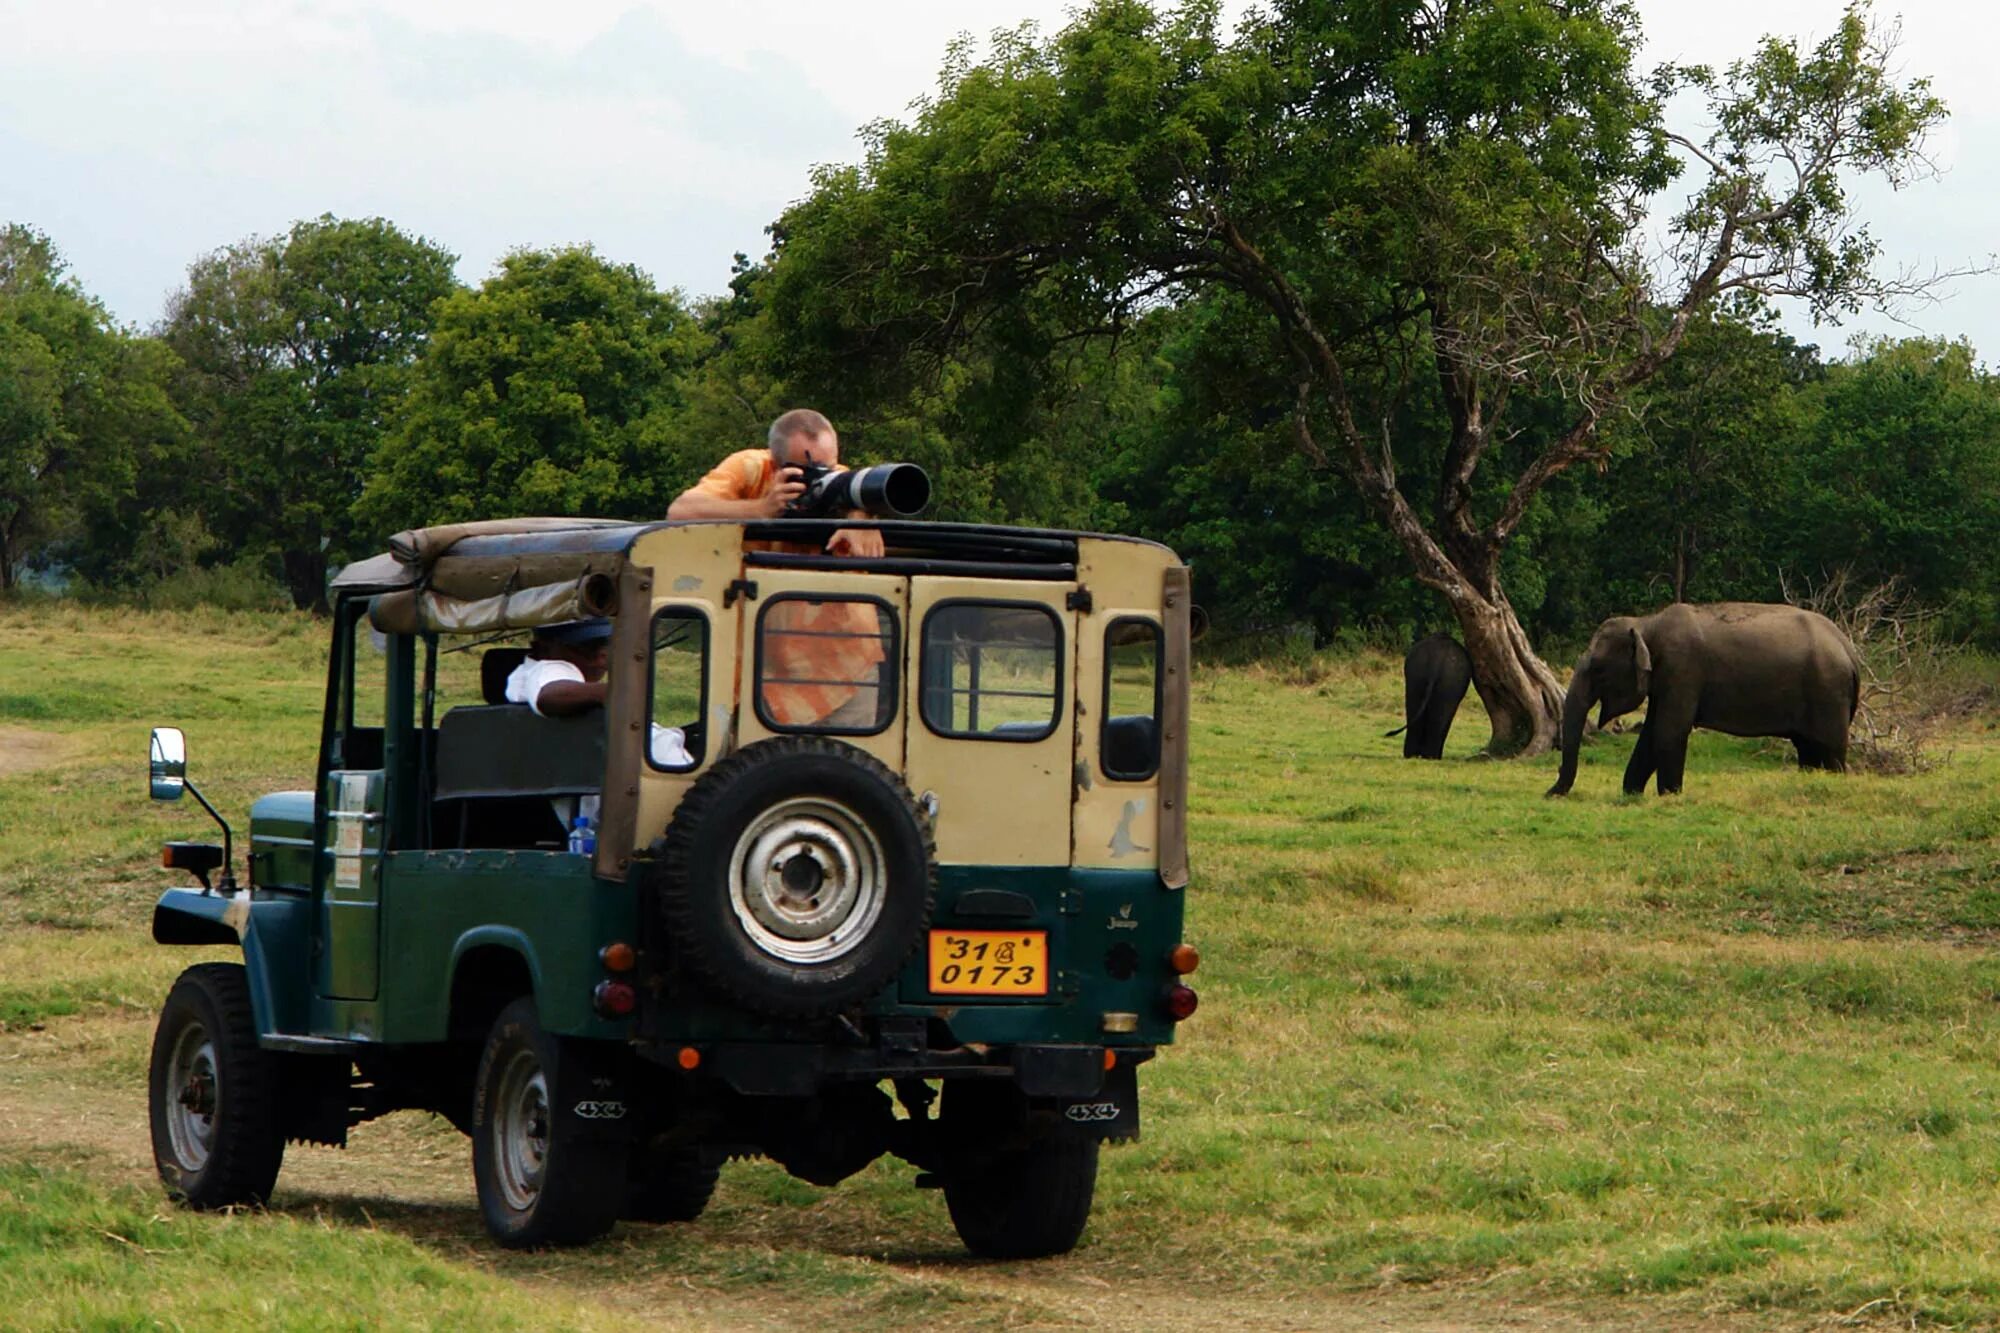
<point x="194" y="1097"/>
<point x="808" y="880"/>
<point x="521" y="1130"/>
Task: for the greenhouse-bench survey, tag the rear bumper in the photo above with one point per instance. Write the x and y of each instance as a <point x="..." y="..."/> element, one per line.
<point x="782" y="1069"/>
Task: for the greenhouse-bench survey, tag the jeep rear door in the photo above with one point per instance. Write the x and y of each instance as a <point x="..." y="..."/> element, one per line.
<point x="990" y="738"/>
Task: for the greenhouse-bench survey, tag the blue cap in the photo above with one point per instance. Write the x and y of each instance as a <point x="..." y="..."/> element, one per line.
<point x="576" y="633"/>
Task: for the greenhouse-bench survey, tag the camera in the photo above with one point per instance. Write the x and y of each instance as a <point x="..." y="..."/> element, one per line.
<point x="886" y="490"/>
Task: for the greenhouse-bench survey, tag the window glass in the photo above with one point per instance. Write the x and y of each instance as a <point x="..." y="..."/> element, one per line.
<point x="679" y="689"/>
<point x="991" y="670"/>
<point x="368" y="668"/>
<point x="826" y="664"/>
<point x="1130" y="743"/>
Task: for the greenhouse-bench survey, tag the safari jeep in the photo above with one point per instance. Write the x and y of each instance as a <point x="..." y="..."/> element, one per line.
<point x="942" y="920"/>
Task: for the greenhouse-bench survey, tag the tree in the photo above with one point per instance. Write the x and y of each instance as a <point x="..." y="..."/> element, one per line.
<point x="79" y="399"/>
<point x="297" y="348"/>
<point x="556" y="388"/>
<point x="1896" y="475"/>
<point x="1436" y="205"/>
<point x="1702" y="490"/>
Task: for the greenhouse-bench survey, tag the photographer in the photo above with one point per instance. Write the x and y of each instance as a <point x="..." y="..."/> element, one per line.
<point x="759" y="483"/>
<point x="824" y="659"/>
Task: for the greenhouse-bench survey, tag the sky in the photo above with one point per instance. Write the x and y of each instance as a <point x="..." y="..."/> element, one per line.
<point x="140" y="136"/>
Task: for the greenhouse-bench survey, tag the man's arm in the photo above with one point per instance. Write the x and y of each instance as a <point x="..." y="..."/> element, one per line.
<point x="856" y="541"/>
<point x="706" y="498"/>
<point x="567" y="698"/>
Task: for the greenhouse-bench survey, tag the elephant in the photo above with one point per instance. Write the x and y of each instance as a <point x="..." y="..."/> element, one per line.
<point x="1435" y="675"/>
<point x="1745" y="668"/>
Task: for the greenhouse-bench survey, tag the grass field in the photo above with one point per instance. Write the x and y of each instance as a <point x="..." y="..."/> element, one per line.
<point x="1466" y="1058"/>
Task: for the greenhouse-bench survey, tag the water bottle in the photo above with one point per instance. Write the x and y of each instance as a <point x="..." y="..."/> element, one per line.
<point x="583" y="838"/>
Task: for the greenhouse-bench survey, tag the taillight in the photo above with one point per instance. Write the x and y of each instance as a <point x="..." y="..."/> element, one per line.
<point x="1181" y="1002"/>
<point x="614" y="999"/>
<point x="618" y="957"/>
<point x="1183" y="959"/>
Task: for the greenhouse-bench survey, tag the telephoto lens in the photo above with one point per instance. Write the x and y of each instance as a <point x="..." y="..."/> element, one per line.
<point x="886" y="490"/>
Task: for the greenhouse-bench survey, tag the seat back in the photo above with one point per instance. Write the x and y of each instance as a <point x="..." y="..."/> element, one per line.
<point x="495" y="665"/>
<point x="1131" y="746"/>
<point x="510" y="750"/>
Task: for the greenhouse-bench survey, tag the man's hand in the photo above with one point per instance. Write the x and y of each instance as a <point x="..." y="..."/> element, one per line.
<point x="787" y="488"/>
<point x="856" y="541"/>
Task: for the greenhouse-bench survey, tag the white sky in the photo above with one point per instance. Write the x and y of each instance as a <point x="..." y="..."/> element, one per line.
<point x="140" y="135"/>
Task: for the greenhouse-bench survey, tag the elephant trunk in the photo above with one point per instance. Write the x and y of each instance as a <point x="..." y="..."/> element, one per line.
<point x="1576" y="707"/>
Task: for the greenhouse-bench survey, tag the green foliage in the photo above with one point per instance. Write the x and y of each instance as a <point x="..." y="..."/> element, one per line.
<point x="556" y="388"/>
<point x="296" y="349"/>
<point x="82" y="404"/>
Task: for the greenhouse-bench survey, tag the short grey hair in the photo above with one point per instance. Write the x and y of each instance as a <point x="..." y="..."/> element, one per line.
<point x="798" y="421"/>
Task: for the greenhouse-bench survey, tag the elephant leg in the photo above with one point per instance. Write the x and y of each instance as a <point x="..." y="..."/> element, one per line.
<point x="1811" y="753"/>
<point x="1639" y="769"/>
<point x="1435" y="733"/>
<point x="1670" y="751"/>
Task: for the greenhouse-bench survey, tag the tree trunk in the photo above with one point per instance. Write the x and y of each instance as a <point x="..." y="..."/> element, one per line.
<point x="1522" y="696"/>
<point x="305" y="579"/>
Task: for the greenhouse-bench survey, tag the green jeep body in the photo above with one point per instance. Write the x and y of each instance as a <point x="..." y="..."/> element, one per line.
<point x="414" y="922"/>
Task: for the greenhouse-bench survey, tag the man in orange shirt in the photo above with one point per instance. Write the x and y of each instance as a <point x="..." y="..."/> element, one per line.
<point x="823" y="660"/>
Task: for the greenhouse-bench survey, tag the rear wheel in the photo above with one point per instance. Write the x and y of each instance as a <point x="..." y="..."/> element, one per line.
<point x="1026" y="1198"/>
<point x="541" y="1180"/>
<point x="213" y="1091"/>
<point x="670" y="1185"/>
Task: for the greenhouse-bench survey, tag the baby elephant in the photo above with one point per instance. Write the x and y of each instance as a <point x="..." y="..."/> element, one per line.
<point x="1435" y="675"/>
<point x="1746" y="668"/>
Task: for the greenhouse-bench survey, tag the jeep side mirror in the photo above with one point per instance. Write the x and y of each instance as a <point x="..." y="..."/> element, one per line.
<point x="168" y="768"/>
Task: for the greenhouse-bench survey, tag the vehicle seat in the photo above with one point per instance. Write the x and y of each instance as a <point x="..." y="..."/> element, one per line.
<point x="1131" y="745"/>
<point x="495" y="665"/>
<point x="510" y="750"/>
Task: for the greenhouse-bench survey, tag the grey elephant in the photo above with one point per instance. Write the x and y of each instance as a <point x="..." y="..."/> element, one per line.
<point x="1745" y="668"/>
<point x="1435" y="675"/>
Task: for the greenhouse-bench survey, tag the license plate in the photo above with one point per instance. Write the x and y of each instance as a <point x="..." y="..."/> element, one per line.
<point x="989" y="962"/>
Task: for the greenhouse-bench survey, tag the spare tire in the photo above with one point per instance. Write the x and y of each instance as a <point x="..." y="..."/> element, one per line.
<point x="797" y="877"/>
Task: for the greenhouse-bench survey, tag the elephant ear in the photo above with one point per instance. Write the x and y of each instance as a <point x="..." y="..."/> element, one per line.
<point x="1642" y="663"/>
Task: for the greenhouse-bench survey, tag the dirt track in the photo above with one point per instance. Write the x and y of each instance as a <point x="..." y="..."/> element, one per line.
<point x="23" y="750"/>
<point x="74" y="1093"/>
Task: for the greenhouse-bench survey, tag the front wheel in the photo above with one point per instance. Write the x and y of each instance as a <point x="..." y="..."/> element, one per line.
<point x="541" y="1179"/>
<point x="213" y="1093"/>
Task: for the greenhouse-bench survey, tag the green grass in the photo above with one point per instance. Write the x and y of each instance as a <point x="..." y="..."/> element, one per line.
<point x="77" y="1256"/>
<point x="1734" y="1050"/>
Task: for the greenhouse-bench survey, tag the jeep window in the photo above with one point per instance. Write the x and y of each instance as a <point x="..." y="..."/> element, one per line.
<point x="991" y="670"/>
<point x="1129" y="740"/>
<point x="363" y="692"/>
<point x="826" y="665"/>
<point x="679" y="689"/>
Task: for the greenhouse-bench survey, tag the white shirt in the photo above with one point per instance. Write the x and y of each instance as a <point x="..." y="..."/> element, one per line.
<point x="535" y="674"/>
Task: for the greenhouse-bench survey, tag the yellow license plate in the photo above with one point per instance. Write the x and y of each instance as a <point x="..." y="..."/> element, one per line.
<point x="989" y="962"/>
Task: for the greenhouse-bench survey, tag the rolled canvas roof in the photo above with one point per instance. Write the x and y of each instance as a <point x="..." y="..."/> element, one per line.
<point x="490" y="557"/>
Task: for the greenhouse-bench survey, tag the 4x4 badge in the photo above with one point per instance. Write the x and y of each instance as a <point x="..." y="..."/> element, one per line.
<point x="600" y="1110"/>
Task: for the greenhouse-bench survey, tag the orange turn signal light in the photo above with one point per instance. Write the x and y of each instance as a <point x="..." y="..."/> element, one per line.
<point x="1183" y="959"/>
<point x="618" y="957"/>
<point x="1110" y="1059"/>
<point x="688" y="1058"/>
